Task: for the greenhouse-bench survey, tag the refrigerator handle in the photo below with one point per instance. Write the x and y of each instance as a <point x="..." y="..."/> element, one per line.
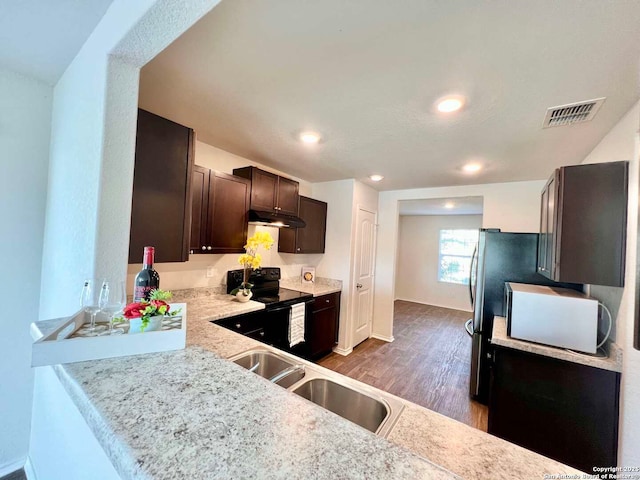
<point x="468" y="326"/>
<point x="471" y="285"/>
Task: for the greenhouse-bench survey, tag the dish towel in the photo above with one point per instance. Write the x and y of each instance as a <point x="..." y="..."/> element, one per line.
<point x="296" y="324"/>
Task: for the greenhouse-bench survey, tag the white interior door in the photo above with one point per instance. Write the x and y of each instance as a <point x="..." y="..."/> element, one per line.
<point x="363" y="275"/>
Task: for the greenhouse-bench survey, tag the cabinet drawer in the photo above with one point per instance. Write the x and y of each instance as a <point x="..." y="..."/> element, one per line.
<point x="325" y="301"/>
<point x="243" y="323"/>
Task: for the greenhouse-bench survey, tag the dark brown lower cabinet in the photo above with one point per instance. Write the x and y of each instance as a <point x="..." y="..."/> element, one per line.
<point x="563" y="410"/>
<point x="321" y="326"/>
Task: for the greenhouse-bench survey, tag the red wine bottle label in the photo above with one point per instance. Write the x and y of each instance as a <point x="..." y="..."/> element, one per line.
<point x="141" y="293"/>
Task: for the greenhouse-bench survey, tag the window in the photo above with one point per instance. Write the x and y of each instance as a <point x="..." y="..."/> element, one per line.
<point x="455" y="252"/>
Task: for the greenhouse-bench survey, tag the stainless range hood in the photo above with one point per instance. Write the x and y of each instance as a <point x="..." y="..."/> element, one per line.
<point x="273" y="219"/>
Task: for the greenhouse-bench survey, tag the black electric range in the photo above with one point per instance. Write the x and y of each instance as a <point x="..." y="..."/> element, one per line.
<point x="266" y="287"/>
<point x="271" y="325"/>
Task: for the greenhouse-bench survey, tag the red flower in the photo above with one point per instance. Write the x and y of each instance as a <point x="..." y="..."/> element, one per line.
<point x="159" y="303"/>
<point x="134" y="310"/>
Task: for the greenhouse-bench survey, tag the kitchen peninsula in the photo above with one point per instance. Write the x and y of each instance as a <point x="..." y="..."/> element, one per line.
<point x="206" y="417"/>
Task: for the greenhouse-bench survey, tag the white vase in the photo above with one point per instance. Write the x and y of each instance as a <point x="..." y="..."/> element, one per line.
<point x="242" y="297"/>
<point x="155" y="323"/>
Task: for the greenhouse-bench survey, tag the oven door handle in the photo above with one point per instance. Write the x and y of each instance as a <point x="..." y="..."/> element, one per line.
<point x="289" y="306"/>
<point x="279" y="309"/>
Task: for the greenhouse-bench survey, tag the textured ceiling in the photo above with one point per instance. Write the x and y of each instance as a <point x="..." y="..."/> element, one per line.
<point x="39" y="38"/>
<point x="436" y="206"/>
<point x="365" y="74"/>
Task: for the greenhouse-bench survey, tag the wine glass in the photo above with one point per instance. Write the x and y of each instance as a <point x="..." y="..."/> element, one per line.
<point x="112" y="300"/>
<point x="89" y="301"/>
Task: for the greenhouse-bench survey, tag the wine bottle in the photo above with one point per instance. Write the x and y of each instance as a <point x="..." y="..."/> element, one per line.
<point x="147" y="279"/>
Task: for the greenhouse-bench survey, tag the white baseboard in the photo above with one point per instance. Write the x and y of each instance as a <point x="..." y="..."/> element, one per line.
<point x="11" y="467"/>
<point x="382" y="337"/>
<point x="29" y="471"/>
<point x="343" y="351"/>
<point x="412" y="300"/>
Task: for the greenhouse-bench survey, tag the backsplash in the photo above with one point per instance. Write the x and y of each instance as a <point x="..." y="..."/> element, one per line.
<point x="193" y="274"/>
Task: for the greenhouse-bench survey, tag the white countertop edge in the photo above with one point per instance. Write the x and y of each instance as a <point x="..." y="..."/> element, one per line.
<point x="612" y="363"/>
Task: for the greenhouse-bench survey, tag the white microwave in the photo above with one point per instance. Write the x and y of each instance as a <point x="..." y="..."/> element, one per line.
<point x="559" y="317"/>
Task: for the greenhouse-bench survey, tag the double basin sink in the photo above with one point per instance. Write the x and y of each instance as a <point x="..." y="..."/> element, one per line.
<point x="347" y="398"/>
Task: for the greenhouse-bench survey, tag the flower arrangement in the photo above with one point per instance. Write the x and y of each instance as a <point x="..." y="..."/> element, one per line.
<point x="251" y="260"/>
<point x="156" y="306"/>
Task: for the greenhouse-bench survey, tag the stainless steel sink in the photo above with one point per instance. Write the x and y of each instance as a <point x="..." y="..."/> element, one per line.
<point x="269" y="365"/>
<point x="355" y="406"/>
<point x="361" y="404"/>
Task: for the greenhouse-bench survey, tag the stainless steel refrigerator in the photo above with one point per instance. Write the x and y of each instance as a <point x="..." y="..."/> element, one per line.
<point x="499" y="257"/>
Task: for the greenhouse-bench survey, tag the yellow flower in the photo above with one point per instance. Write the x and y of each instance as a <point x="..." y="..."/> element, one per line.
<point x="263" y="239"/>
<point x="252" y="258"/>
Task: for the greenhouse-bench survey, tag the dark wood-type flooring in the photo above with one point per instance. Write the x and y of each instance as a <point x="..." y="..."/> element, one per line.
<point x="428" y="363"/>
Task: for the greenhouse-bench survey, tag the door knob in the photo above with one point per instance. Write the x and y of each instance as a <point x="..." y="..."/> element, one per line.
<point x="209" y="248"/>
<point x="358" y="285"/>
<point x="203" y="247"/>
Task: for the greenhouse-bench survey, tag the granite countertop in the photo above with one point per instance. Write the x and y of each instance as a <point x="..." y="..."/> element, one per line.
<point x="206" y="417"/>
<point x="469" y="452"/>
<point x="322" y="286"/>
<point x="613" y="362"/>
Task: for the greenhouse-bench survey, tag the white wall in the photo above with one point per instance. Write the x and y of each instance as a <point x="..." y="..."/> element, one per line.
<point x="343" y="198"/>
<point x="25" y="125"/>
<point x="336" y="262"/>
<point x="418" y="260"/>
<point x="93" y="145"/>
<point x="513" y="207"/>
<point x="174" y="276"/>
<point x="623" y="143"/>
<point x="62" y="444"/>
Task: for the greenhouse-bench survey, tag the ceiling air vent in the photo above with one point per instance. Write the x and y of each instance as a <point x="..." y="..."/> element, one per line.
<point x="572" y="113"/>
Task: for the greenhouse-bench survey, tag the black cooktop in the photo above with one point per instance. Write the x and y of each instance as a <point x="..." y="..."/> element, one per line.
<point x="281" y="297"/>
<point x="266" y="287"/>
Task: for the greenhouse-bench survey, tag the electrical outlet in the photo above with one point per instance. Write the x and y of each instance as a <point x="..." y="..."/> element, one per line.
<point x="211" y="272"/>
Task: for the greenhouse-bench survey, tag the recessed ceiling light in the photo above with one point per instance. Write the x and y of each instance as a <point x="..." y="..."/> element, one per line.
<point x="449" y="205"/>
<point x="309" y="137"/>
<point x="376" y="178"/>
<point x="472" y="167"/>
<point x="450" y="104"/>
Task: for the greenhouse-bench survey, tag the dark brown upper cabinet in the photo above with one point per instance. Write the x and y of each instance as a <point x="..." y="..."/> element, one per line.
<point x="270" y="192"/>
<point x="220" y="203"/>
<point x="309" y="239"/>
<point x="161" y="203"/>
<point x="583" y="224"/>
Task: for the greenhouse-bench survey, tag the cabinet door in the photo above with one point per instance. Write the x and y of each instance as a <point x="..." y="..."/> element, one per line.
<point x="591" y="224"/>
<point x="161" y="203"/>
<point x="227" y="213"/>
<point x="287" y="201"/>
<point x="311" y="238"/>
<point x="322" y="324"/>
<point x="542" y="240"/>
<point x="287" y="240"/>
<point x="199" y="209"/>
<point x="550" y="256"/>
<point x="564" y="410"/>
<point x="264" y="186"/>
<point x="321" y="331"/>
